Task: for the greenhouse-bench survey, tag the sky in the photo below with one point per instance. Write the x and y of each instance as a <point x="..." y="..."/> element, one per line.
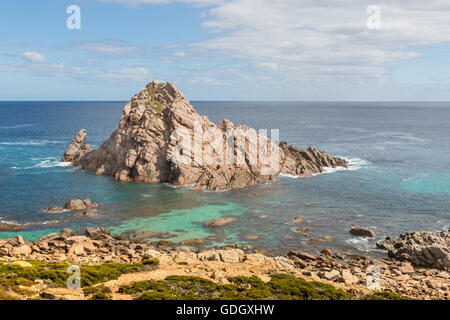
<point x="303" y="50"/>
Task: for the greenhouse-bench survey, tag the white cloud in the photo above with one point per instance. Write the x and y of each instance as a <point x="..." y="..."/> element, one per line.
<point x="44" y="69"/>
<point x="33" y="56"/>
<point x="124" y="74"/>
<point x="111" y="48"/>
<point x="179" y="54"/>
<point x="268" y="65"/>
<point x="315" y="39"/>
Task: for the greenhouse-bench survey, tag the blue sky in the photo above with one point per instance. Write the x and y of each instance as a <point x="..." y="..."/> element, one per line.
<point x="226" y="49"/>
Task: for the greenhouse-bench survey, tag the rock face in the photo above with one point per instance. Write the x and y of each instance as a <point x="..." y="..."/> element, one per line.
<point x="161" y="138"/>
<point x="77" y="149"/>
<point x="303" y="163"/>
<point x="426" y="249"/>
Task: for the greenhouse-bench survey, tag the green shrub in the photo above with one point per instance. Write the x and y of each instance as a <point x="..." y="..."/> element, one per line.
<point x="281" y="286"/>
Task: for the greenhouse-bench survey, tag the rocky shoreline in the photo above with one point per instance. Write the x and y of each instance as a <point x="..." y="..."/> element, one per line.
<point x="356" y="274"/>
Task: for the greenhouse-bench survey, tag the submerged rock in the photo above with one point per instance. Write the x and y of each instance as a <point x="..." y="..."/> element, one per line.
<point x="218" y="222"/>
<point x="161" y="138"/>
<point x="192" y="241"/>
<point x="53" y="209"/>
<point x="141" y="235"/>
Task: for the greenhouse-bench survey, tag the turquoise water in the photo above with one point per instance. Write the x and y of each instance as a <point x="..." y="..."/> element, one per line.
<point x="399" y="178"/>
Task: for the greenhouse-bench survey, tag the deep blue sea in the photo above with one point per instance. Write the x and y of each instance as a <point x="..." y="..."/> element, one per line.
<point x="399" y="179"/>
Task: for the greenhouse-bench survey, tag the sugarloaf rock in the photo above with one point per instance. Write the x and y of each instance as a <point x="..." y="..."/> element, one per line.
<point x="162" y="138"/>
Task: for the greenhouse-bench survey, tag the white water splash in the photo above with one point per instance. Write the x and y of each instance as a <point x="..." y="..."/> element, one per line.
<point x="353" y="164"/>
<point x="49" y="162"/>
<point x="30" y="143"/>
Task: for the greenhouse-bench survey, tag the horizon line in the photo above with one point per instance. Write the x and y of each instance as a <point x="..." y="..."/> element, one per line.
<point x="346" y="101"/>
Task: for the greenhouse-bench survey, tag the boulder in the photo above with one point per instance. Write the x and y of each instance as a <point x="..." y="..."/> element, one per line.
<point x="362" y="232"/>
<point x="302" y="255"/>
<point x="75" y="204"/>
<point x="96" y="233"/>
<point x="348" y="277"/>
<point x="330" y="275"/>
<point x="78" y="204"/>
<point x="231" y="255"/>
<point x="21" y="250"/>
<point x="66" y="232"/>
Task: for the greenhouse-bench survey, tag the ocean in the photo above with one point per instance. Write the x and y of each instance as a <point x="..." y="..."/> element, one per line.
<point x="398" y="180"/>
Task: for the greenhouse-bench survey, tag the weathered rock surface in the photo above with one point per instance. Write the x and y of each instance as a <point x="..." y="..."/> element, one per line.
<point x="161" y="138"/>
<point x="307" y="162"/>
<point x="428" y="249"/>
<point x="77" y="149"/>
<point x="78" y="204"/>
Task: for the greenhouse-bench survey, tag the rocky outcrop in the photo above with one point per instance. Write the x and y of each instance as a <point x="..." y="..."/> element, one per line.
<point x="77" y="149"/>
<point x="78" y="204"/>
<point x="161" y="138"/>
<point x="304" y="163"/>
<point x="10" y="226"/>
<point x="53" y="209"/>
<point x="427" y="249"/>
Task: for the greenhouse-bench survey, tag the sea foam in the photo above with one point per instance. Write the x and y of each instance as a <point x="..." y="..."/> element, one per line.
<point x="49" y="162"/>
<point x="353" y="164"/>
<point x="29" y="143"/>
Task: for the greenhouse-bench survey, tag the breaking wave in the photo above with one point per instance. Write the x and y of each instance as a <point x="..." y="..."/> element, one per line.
<point x="29" y="143"/>
<point x="50" y="162"/>
<point x="353" y="164"/>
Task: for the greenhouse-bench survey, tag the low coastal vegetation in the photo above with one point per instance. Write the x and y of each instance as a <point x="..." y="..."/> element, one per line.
<point x="19" y="281"/>
<point x="14" y="277"/>
<point x="280" y="287"/>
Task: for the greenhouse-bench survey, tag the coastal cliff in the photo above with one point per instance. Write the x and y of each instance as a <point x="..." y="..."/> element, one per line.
<point x="162" y="138"/>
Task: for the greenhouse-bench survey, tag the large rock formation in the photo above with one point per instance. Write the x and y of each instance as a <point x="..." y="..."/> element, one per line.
<point x="161" y="138"/>
<point x="77" y="149"/>
<point x="427" y="249"/>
